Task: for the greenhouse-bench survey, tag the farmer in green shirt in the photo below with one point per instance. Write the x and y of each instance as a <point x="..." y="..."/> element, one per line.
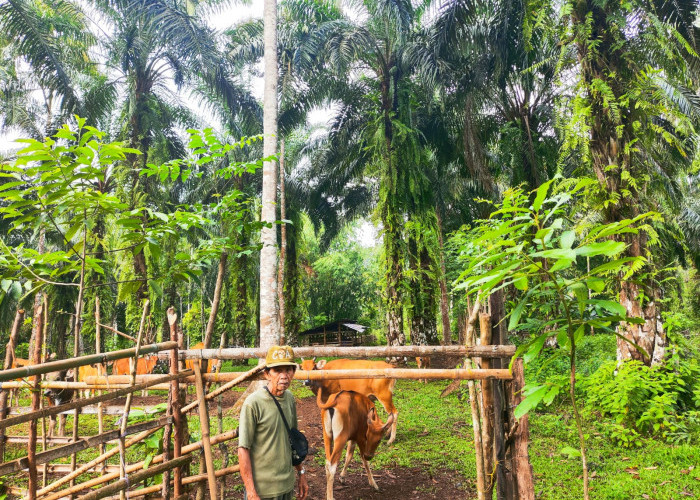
<point x="264" y="453"/>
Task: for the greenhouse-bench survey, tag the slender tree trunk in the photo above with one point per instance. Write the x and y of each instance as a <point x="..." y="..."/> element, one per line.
<point x="269" y="327"/>
<point x="442" y="281"/>
<point x="283" y="246"/>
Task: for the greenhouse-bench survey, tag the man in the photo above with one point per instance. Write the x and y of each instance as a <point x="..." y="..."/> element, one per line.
<point x="264" y="453"/>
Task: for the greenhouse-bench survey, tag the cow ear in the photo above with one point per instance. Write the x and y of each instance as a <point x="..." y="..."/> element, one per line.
<point x="371" y="415"/>
<point x="321" y="364"/>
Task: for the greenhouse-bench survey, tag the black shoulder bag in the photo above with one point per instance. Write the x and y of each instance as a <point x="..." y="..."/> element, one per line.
<point x="297" y="440"/>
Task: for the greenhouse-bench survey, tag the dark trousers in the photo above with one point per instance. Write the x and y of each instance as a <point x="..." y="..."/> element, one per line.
<point x="286" y="496"/>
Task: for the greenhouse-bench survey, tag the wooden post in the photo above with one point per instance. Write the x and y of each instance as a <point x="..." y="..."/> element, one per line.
<point x="36" y="401"/>
<point x="167" y="435"/>
<point x="487" y="409"/>
<point x="100" y="373"/>
<point x="45" y="471"/>
<point x="521" y="458"/>
<point x="175" y="401"/>
<point x="9" y="357"/>
<point x="474" y="404"/>
<point x="204" y="426"/>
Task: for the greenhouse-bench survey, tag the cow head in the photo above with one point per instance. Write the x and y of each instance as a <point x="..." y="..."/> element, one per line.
<point x="311" y="364"/>
<point x="375" y="432"/>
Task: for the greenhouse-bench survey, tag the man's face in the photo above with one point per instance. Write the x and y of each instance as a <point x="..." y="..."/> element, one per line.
<point x="279" y="378"/>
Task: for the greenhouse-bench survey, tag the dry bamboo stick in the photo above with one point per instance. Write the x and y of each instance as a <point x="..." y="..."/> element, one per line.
<point x="492" y="351"/>
<point x="129" y="397"/>
<point x="25" y="384"/>
<point x="188" y="480"/>
<point x="36" y="401"/>
<point x="83" y="444"/>
<point x="117" y="332"/>
<point x="227" y="436"/>
<point x="90" y="359"/>
<point x="55" y="410"/>
<point x="241" y="378"/>
<point x="204" y="426"/>
<point x="124" y="483"/>
<point x="9" y="356"/>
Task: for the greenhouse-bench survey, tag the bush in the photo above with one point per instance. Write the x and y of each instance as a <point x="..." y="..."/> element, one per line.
<point x="661" y="401"/>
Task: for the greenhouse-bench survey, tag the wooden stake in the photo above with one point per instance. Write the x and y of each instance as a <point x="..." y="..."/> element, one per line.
<point x="204" y="426"/>
<point x="36" y="401"/>
<point x="221" y="473"/>
<point x="474" y="404"/>
<point x="45" y="472"/>
<point x="9" y="357"/>
<point x="521" y="457"/>
<point x="178" y="437"/>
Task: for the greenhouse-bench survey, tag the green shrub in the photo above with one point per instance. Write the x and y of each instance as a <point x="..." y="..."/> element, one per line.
<point x="661" y="401"/>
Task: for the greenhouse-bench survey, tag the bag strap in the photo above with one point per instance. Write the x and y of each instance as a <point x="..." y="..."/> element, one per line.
<point x="286" y="425"/>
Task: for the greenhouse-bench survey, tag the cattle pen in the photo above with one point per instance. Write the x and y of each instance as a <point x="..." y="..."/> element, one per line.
<point x="500" y="438"/>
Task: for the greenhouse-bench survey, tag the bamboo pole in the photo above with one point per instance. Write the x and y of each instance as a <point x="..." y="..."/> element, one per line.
<point x="486" y="409"/>
<point x="45" y="472"/>
<point x="90" y="359"/>
<point x="55" y="410"/>
<point x="79" y="386"/>
<point x="82" y="444"/>
<point x="474" y="404"/>
<point x="178" y="437"/>
<point x="36" y="401"/>
<point x="9" y="357"/>
<point x="100" y="372"/>
<point x="124" y="483"/>
<point x="491" y="351"/>
<point x="167" y="434"/>
<point x="96" y="461"/>
<point x="227" y="436"/>
<point x="129" y="397"/>
<point x="204" y="426"/>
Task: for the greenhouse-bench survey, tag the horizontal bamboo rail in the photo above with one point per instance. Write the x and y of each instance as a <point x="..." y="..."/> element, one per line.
<point x="199" y="478"/>
<point x="55" y="410"/>
<point x="245" y="376"/>
<point x="124" y="484"/>
<point x="490" y="351"/>
<point x="219" y="438"/>
<point x="78" y="386"/>
<point x="90" y="359"/>
<point x="81" y="444"/>
<point x="93" y="410"/>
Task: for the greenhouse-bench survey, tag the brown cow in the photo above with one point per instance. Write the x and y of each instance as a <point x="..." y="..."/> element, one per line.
<point x="84" y="372"/>
<point x="350" y="417"/>
<point x="144" y="366"/>
<point x="17" y="363"/>
<point x="57" y="397"/>
<point x="382" y="389"/>
<point x="423" y="363"/>
<point x="189" y="364"/>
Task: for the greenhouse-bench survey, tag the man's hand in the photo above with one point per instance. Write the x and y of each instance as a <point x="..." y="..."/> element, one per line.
<point x="303" y="487"/>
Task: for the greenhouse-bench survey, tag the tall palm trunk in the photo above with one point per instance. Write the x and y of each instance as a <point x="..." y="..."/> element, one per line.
<point x="442" y="281"/>
<point x="610" y="145"/>
<point x="269" y="327"/>
<point x="283" y="247"/>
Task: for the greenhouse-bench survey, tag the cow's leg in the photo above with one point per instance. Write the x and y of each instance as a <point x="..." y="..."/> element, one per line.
<point x="348" y="457"/>
<point x="370" y="477"/>
<point x="61" y="425"/>
<point x="388" y="405"/>
<point x="52" y="425"/>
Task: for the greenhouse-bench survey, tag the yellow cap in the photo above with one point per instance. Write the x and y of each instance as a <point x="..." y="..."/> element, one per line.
<point x="280" y="356"/>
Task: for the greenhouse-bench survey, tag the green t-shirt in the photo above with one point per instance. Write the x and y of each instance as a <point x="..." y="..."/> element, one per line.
<point x="261" y="430"/>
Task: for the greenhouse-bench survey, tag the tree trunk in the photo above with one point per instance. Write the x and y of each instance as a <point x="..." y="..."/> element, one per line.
<point x="269" y="328"/>
<point x="444" y="299"/>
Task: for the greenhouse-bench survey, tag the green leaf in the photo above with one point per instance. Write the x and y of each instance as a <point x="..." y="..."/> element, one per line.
<point x="561" y="264"/>
<point x="611" y="306"/>
<point x="557" y="253"/>
<point x="520" y="283"/>
<point x="535" y="347"/>
<point x="517" y="312"/>
<point x="541" y="195"/>
<point x="531" y="401"/>
<point x="608" y="248"/>
<point x="570" y="452"/>
<point x="596" y="284"/>
<point x="567" y="239"/>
